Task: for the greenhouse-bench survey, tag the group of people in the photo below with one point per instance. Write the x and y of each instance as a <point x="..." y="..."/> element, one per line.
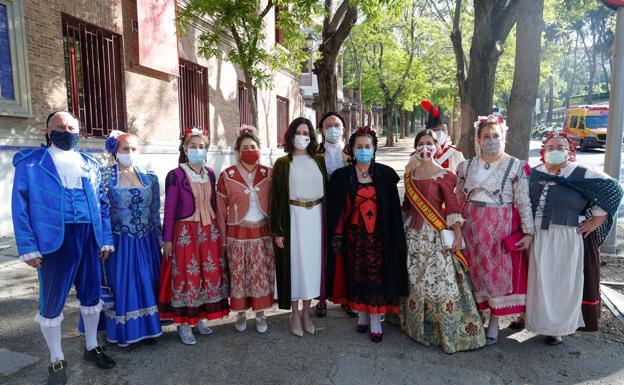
<point x="473" y="240"/>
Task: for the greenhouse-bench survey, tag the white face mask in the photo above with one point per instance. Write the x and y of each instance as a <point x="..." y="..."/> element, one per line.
<point x="127" y="160"/>
<point x="556" y="157"/>
<point x="301" y="142"/>
<point x="441" y="137"/>
<point x="333" y="134"/>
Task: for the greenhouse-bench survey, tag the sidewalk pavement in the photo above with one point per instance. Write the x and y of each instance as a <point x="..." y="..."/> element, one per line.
<point x="336" y="354"/>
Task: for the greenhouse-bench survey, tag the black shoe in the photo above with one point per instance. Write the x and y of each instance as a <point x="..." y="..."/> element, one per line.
<point x="376" y="337"/>
<point x="516" y="325"/>
<point x="150" y="341"/>
<point x="350" y="312"/>
<point x="549" y="340"/>
<point x="57" y="374"/>
<point x="321" y="310"/>
<point x="100" y="358"/>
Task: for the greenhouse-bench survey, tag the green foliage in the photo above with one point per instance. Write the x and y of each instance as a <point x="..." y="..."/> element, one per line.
<point x="236" y="33"/>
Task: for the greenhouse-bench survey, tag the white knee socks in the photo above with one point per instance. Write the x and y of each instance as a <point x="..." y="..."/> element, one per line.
<point x="375" y="323"/>
<point x="492" y="329"/>
<point x="362" y="318"/>
<point x="90" y="326"/>
<point x="52" y="336"/>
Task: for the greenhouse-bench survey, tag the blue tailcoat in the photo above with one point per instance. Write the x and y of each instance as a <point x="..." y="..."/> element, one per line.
<point x="38" y="200"/>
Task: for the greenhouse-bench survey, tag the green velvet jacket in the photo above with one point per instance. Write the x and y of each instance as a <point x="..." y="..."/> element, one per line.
<point x="279" y="218"/>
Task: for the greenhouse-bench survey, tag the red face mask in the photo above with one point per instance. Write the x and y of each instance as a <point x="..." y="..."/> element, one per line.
<point x="250" y="156"/>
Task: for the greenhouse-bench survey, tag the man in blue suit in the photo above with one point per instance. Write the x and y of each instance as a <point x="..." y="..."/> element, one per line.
<point x="62" y="228"/>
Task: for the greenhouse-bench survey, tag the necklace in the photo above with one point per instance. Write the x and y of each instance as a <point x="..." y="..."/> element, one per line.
<point x="251" y="174"/>
<point x="200" y="172"/>
<point x="363" y="173"/>
<point x="486" y="164"/>
<point x="126" y="175"/>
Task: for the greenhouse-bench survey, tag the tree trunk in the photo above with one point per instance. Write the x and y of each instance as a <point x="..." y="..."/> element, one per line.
<point x="413" y="120"/>
<point x="253" y="99"/>
<point x="389" y="116"/>
<point x="572" y="78"/>
<point x="494" y="19"/>
<point x="551" y="101"/>
<point x="403" y="117"/>
<point x="336" y="28"/>
<point x="327" y="84"/>
<point x="526" y="77"/>
<point x="605" y="72"/>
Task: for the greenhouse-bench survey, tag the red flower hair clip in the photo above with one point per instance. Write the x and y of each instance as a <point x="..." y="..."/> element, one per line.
<point x="365" y="130"/>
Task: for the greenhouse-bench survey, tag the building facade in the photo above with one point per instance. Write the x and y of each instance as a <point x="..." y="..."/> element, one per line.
<point x="96" y="59"/>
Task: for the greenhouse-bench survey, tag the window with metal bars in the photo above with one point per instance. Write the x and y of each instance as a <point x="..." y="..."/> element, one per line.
<point x="278" y="32"/>
<point x="193" y="95"/>
<point x="94" y="77"/>
<point x="282" y="120"/>
<point x="244" y="104"/>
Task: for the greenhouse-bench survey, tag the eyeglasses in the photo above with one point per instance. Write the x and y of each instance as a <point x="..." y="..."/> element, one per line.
<point x="560" y="147"/>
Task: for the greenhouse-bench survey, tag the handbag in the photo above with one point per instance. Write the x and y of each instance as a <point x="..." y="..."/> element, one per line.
<point x="509" y="243"/>
<point x="447" y="237"/>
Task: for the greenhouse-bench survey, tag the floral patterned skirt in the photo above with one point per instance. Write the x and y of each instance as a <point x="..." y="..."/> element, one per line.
<point x="440" y="309"/>
<point x="252" y="266"/>
<point x="499" y="278"/>
<point x="194" y="280"/>
<point x="359" y="280"/>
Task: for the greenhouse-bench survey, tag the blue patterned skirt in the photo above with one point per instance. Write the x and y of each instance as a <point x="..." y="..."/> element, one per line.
<point x="132" y="272"/>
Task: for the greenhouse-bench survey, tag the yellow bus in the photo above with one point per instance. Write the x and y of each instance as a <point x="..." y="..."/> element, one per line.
<point x="586" y="126"/>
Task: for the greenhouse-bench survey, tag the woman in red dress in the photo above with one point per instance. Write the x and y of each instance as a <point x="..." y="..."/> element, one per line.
<point x="242" y="212"/>
<point x="194" y="283"/>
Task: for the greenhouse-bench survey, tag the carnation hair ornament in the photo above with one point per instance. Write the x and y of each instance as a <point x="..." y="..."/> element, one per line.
<point x="194" y="131"/>
<point x="495" y="121"/>
<point x="245" y="129"/>
<point x="112" y="142"/>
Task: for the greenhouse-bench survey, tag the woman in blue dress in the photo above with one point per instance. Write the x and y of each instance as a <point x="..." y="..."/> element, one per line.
<point x="133" y="269"/>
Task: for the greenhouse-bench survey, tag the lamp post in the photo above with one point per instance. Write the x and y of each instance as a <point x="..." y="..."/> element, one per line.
<point x="310" y="41"/>
<point x="613" y="153"/>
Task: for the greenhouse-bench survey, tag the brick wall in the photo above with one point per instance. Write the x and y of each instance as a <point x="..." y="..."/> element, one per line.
<point x="151" y="98"/>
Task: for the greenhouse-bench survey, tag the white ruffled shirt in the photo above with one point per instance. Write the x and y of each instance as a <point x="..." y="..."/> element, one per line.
<point x="333" y="156"/>
<point x="69" y="166"/>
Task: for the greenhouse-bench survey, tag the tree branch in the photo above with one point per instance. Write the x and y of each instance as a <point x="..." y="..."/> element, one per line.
<point x="412" y="51"/>
<point x="266" y="9"/>
<point x="503" y="19"/>
<point x="337" y="38"/>
<point x="335" y="20"/>
<point x="433" y="3"/>
<point x="458" y="47"/>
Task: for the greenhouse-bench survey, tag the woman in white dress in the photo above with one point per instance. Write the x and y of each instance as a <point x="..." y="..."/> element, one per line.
<point x="296" y="217"/>
<point x="569" y="203"/>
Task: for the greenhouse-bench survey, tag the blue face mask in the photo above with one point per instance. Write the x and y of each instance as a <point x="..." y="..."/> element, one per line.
<point x="363" y="155"/>
<point x="197" y="155"/>
<point x="64" y="140"/>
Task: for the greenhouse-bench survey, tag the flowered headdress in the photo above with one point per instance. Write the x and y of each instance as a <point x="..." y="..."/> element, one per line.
<point x="361" y="131"/>
<point x="246" y="129"/>
<point x="571" y="146"/>
<point x="112" y="141"/>
<point x="493" y="120"/>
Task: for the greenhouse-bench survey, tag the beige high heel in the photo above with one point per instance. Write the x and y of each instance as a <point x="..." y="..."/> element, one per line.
<point x="308" y="326"/>
<point x="295" y="325"/>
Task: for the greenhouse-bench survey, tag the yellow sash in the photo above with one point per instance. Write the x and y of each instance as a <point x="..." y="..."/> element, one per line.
<point x="429" y="213"/>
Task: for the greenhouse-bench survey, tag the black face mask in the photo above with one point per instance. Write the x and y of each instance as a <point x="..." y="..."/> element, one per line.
<point x="64" y="140"/>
